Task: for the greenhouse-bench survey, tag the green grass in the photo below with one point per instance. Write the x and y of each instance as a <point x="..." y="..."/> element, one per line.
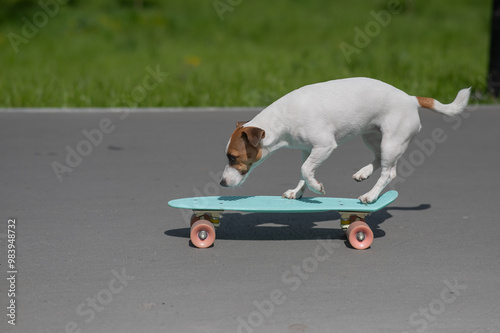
<point x="96" y="56"/>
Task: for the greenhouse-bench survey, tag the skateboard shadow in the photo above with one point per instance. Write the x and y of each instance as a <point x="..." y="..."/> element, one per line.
<point x="291" y="226"/>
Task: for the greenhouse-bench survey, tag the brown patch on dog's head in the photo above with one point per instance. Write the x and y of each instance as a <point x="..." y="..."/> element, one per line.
<point x="244" y="148"/>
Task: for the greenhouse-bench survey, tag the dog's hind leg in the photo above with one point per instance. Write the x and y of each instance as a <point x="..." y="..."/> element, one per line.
<point x="392" y="149"/>
<point x="297" y="192"/>
<point x="373" y="141"/>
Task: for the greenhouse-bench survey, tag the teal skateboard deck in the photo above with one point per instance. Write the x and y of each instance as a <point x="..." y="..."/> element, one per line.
<point x="207" y="211"/>
<point x="275" y="204"/>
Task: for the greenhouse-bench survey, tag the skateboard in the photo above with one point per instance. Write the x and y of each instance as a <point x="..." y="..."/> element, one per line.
<point x="208" y="210"/>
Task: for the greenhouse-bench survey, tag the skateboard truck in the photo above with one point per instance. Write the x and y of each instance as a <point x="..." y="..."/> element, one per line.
<point x="346" y="218"/>
<point x="211" y="215"/>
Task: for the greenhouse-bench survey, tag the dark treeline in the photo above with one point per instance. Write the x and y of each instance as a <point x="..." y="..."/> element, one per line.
<point x="14" y="9"/>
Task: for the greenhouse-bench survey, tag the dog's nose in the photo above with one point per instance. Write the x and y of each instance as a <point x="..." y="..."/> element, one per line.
<point x="223" y="182"/>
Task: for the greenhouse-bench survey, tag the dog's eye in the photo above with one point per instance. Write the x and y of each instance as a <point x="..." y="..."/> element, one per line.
<point x="231" y="159"/>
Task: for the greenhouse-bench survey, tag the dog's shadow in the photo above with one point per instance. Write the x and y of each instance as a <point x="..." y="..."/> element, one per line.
<point x="290" y="226"/>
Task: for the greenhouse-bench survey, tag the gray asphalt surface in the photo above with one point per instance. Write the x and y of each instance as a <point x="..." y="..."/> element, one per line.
<point x="99" y="250"/>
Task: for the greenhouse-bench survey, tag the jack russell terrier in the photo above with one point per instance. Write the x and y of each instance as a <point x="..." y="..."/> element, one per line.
<point x="319" y="117"/>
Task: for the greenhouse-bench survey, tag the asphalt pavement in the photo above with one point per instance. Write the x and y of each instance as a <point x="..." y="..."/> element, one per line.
<point x="97" y="248"/>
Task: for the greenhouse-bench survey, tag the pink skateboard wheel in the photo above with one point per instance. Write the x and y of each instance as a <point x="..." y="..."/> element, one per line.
<point x="360" y="235"/>
<point x="202" y="234"/>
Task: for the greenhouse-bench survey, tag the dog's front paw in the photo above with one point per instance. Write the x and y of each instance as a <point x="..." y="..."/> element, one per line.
<point x="292" y="194"/>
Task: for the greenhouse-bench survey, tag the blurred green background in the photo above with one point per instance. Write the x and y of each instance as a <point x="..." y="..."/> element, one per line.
<point x="78" y="53"/>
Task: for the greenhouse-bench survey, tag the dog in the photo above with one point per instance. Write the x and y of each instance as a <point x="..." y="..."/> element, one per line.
<point x="317" y="118"/>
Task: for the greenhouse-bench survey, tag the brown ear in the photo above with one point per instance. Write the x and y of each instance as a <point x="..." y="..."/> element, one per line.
<point x="241" y="123"/>
<point x="254" y="135"/>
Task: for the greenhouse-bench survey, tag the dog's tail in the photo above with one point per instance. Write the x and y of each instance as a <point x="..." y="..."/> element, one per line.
<point x="452" y="109"/>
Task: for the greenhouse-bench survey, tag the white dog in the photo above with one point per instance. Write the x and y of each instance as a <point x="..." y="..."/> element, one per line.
<point x="319" y="117"/>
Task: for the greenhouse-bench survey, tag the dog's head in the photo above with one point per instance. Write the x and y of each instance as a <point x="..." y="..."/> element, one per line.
<point x="243" y="152"/>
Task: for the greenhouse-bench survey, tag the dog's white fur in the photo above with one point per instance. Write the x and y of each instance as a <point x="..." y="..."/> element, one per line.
<point x="319" y="117"/>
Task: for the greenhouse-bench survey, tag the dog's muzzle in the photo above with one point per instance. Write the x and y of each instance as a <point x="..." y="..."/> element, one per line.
<point x="231" y="177"/>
